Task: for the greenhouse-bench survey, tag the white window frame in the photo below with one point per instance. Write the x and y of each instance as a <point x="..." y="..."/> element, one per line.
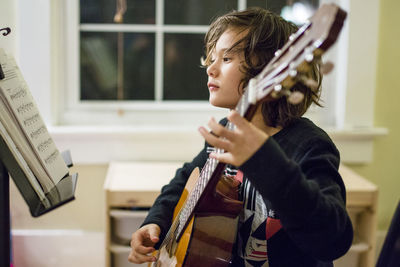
<point x="167" y="131"/>
<point x="140" y="113"/>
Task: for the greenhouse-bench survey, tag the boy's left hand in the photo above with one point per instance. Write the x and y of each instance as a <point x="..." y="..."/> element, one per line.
<point x="239" y="145"/>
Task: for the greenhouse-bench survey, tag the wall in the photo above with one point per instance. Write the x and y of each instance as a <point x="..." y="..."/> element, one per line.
<point x="71" y="235"/>
<point x="384" y="171"/>
<point x="86" y="212"/>
<point x="8" y="19"/>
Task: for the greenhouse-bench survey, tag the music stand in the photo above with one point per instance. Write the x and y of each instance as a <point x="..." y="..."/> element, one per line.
<point x="61" y="193"/>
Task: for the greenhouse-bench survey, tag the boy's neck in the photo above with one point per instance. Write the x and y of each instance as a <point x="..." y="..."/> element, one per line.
<point x="258" y="121"/>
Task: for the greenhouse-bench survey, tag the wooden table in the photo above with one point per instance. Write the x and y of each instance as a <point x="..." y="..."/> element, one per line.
<point x="132" y="185"/>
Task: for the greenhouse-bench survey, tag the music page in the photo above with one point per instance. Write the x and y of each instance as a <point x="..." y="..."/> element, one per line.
<point x="22" y="106"/>
<point x="24" y="166"/>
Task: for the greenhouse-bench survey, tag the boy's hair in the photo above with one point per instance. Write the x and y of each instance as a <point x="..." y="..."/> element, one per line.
<point x="266" y="33"/>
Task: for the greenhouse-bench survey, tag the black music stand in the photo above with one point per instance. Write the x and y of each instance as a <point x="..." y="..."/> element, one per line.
<point x="61" y="193"/>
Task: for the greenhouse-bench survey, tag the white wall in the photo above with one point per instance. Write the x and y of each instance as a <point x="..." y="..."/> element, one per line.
<point x="8" y="19"/>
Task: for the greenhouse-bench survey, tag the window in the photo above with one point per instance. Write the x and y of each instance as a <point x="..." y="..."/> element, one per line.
<point x="119" y="58"/>
<point x="149" y="58"/>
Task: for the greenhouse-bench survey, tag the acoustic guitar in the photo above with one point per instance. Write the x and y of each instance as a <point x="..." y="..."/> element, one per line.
<point x="205" y="219"/>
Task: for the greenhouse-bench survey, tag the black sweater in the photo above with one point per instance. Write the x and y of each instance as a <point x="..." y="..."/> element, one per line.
<point x="296" y="172"/>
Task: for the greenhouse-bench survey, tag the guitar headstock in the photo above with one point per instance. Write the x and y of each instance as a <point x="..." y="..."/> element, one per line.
<point x="294" y="59"/>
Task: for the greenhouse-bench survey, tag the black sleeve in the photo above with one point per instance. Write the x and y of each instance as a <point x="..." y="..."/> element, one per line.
<point x="307" y="193"/>
<point x="162" y="210"/>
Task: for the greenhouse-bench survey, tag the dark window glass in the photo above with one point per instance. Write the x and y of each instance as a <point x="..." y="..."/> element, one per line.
<point x="98" y="58"/>
<point x="139" y="66"/>
<point x="195" y="12"/>
<point x="103" y="11"/>
<point x="101" y="63"/>
<point x="184" y="78"/>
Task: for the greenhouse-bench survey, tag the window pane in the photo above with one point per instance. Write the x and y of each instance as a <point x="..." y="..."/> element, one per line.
<point x="184" y="79"/>
<point x="195" y="12"/>
<point x="100" y="65"/>
<point x="296" y="11"/>
<point x="103" y="11"/>
<point x="139" y="66"/>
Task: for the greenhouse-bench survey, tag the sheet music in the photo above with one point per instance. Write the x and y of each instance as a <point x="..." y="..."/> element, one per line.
<point x="24" y="166"/>
<point x="19" y="100"/>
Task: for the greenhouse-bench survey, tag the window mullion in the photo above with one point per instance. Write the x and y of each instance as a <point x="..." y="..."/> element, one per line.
<point x="242" y="4"/>
<point x="159" y="53"/>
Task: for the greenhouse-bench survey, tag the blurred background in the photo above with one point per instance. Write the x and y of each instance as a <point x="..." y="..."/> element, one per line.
<point x="120" y="81"/>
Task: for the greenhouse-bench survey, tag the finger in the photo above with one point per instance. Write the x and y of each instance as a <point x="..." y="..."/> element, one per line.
<point x="141" y="245"/>
<point x="140" y="253"/>
<point x="213" y="140"/>
<point x="220" y="130"/>
<point x="224" y="157"/>
<point x="140" y="248"/>
<point x="140" y="258"/>
<point x="154" y="234"/>
<point x="144" y="249"/>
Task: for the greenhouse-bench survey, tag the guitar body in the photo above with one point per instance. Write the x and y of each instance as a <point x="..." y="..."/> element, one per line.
<point x="209" y="236"/>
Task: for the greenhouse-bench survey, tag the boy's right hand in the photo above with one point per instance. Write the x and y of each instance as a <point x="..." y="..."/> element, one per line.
<point x="142" y="243"/>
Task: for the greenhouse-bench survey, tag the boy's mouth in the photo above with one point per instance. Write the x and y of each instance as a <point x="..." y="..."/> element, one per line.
<point x="212" y="86"/>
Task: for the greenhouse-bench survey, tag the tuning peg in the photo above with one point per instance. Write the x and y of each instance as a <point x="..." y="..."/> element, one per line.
<point x="308" y="82"/>
<point x="278" y="88"/>
<point x="277" y="53"/>
<point x="309" y="53"/>
<point x="326" y="67"/>
<point x="278" y="91"/>
<point x="309" y="57"/>
<point x="300" y="77"/>
<point x="293" y="72"/>
<point x="295" y="97"/>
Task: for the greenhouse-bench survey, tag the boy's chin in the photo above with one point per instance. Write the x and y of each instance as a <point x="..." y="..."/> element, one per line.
<point x="221" y="104"/>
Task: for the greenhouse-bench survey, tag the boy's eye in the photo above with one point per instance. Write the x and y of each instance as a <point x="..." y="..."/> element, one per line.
<point x="226" y="59"/>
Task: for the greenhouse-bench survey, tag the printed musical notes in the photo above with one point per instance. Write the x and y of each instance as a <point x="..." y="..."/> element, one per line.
<point x="21" y="118"/>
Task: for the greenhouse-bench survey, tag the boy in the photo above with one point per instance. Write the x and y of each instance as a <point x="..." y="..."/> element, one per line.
<point x="294" y="198"/>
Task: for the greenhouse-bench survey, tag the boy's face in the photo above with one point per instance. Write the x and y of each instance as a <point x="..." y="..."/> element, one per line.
<point x="224" y="73"/>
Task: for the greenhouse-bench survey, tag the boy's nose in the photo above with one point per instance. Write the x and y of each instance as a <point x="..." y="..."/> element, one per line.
<point x="212" y="70"/>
